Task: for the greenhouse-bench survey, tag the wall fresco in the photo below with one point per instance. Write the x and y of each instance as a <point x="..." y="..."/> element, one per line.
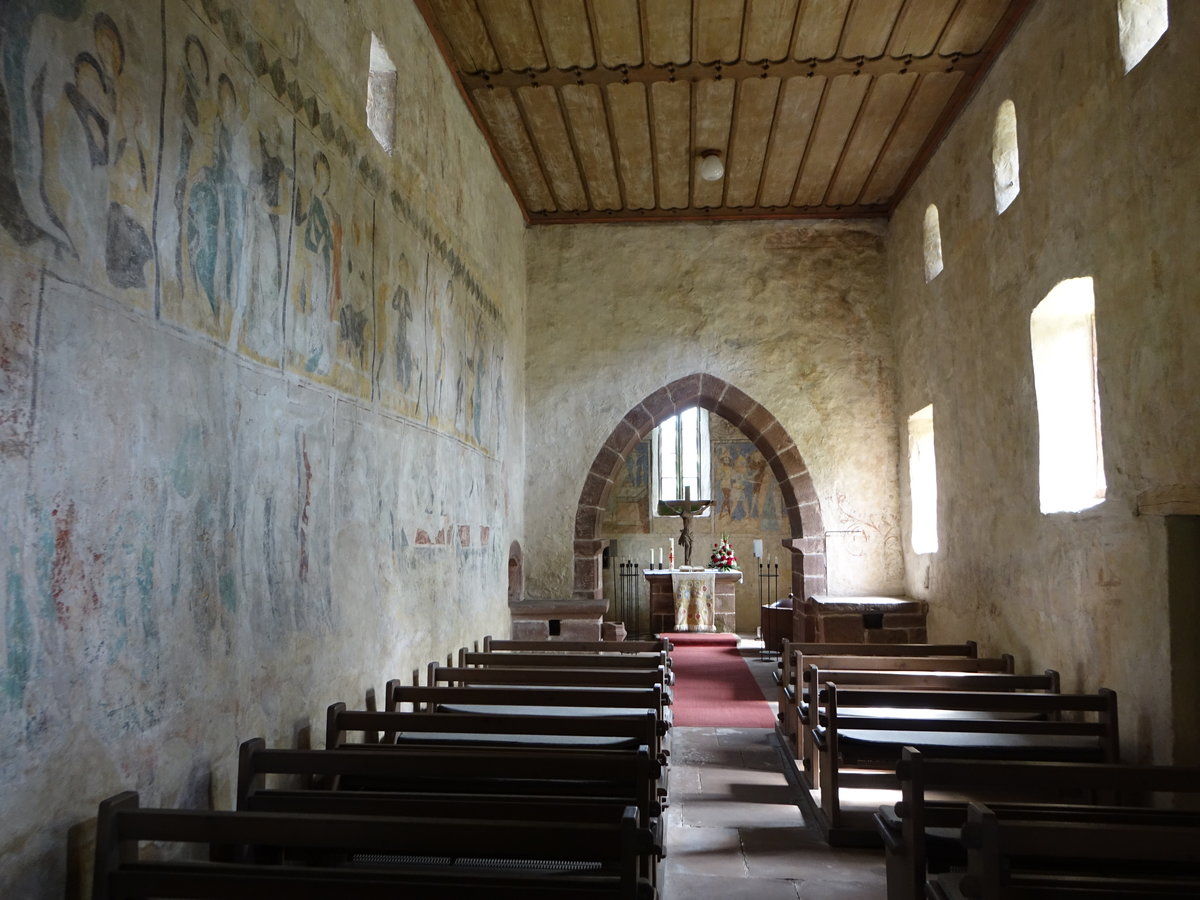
<point x="77" y="166"/>
<point x="744" y="490"/>
<point x="231" y="484"/>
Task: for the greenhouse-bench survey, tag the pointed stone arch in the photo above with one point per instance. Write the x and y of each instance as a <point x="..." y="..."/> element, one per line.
<point x="758" y="424"/>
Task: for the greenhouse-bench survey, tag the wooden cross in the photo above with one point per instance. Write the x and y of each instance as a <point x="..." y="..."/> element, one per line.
<point x="685" y="509"/>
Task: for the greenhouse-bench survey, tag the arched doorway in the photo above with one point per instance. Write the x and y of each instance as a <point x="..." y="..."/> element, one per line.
<point x="800" y="501"/>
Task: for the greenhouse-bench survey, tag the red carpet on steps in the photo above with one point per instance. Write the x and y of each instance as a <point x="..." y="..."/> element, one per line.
<point x="713" y="684"/>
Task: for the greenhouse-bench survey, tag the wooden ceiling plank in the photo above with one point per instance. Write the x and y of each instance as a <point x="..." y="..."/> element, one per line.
<point x="618" y="32"/>
<point x="499" y="110"/>
<point x="568" y="35"/>
<point x="667" y="29"/>
<point x="920" y="27"/>
<point x="839" y="110"/>
<point x="869" y="28"/>
<point x="819" y="29"/>
<point x="712" y="115"/>
<point x="670" y="104"/>
<point x="514" y="33"/>
<point x="753" y="117"/>
<point x="631" y="128"/>
<point x="464" y="29"/>
<point x="879" y="113"/>
<point x="799" y="101"/>
<point x="972" y="25"/>
<point x="553" y="146"/>
<point x="584" y="106"/>
<point x="769" y="27"/>
<point x="929" y="100"/>
<point x="717" y="30"/>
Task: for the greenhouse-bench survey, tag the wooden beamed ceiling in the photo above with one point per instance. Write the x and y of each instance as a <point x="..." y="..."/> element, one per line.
<point x="599" y="110"/>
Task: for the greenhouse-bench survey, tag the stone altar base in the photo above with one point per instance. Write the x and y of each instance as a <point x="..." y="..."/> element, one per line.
<point x="662" y="600"/>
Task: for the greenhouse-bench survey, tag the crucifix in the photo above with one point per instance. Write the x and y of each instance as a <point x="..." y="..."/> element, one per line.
<point x="685" y="509"/>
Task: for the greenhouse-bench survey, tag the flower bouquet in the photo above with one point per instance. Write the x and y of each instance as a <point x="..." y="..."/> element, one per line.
<point x="723" y="558"/>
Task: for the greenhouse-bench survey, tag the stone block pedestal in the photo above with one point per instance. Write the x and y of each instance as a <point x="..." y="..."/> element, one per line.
<point x="861" y="620"/>
<point x="548" y="620"/>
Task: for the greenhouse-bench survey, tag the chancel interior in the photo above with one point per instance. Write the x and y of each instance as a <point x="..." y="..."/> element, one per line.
<point x="330" y="343"/>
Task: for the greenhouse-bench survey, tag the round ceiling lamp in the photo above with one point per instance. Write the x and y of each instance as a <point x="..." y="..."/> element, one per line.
<point x="710" y="167"/>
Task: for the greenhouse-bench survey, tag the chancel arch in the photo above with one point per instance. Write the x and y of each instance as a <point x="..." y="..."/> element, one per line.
<point x="758" y="424"/>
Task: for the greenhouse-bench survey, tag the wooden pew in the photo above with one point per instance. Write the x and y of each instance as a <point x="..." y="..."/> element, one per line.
<point x="493" y="645"/>
<point x="1016" y="858"/>
<point x="562" y="783"/>
<point x="814" y="679"/>
<point x="792" y="693"/>
<point x="860" y="750"/>
<point x="465" y="676"/>
<point x="533" y="773"/>
<point x="920" y="831"/>
<point x="566" y="660"/>
<point x="785" y="673"/>
<point x="534" y="700"/>
<point x="612" y="728"/>
<point x="424" y="857"/>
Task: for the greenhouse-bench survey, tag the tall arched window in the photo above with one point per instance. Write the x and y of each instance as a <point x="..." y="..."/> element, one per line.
<point x="1006" y="175"/>
<point x="681" y="452"/>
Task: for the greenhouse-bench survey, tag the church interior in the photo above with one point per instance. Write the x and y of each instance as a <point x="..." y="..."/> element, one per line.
<point x="334" y="336"/>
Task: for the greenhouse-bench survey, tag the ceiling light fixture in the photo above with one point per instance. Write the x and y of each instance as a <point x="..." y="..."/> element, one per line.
<point x="710" y="167"/>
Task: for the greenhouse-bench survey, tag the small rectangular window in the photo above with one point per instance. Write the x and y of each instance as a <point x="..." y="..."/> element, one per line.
<point x="381" y="95"/>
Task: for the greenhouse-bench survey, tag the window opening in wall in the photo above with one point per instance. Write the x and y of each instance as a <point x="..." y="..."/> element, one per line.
<point x="922" y="481"/>
<point x="1140" y="23"/>
<point x="1062" y="331"/>
<point x="681" y="454"/>
<point x="933" y="243"/>
<point x="381" y="95"/>
<point x="1006" y="176"/>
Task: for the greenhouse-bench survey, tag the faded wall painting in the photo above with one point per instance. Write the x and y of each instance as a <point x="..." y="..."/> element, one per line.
<point x="629" y="508"/>
<point x="330" y="313"/>
<point x="225" y="196"/>
<point x="79" y="140"/>
<point x="744" y="490"/>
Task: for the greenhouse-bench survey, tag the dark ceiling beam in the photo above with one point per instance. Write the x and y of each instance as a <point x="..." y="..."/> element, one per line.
<point x="695" y="71"/>
<point x="709" y="214"/>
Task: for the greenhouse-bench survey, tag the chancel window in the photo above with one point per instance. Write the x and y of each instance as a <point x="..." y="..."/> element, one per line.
<point x="1062" y="331"/>
<point x="681" y="458"/>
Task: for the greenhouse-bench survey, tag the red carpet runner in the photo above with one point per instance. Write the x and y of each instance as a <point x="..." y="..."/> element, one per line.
<point x="713" y="684"/>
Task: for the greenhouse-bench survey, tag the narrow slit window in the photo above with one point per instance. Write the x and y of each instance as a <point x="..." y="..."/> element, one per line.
<point x="922" y="481"/>
<point x="1140" y="23"/>
<point x="1062" y="331"/>
<point x="381" y="95"/>
<point x="933" y="243"/>
<point x="1006" y="175"/>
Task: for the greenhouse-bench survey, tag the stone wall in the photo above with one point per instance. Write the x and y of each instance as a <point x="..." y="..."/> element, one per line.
<point x="1109" y="172"/>
<point x="261" y="395"/>
<point x="795" y="315"/>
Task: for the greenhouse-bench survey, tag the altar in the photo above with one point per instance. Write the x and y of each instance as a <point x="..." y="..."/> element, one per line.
<point x="662" y="598"/>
